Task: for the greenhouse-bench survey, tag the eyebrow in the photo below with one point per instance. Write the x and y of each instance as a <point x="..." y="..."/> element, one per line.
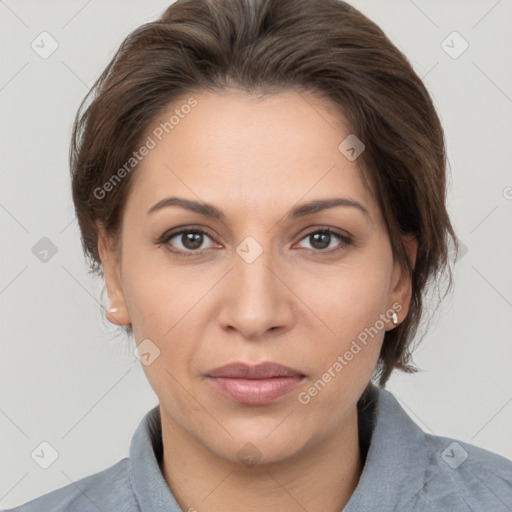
<point x="209" y="210"/>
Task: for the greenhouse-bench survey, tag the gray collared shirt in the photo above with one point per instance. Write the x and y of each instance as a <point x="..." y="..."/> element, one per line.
<point x="405" y="470"/>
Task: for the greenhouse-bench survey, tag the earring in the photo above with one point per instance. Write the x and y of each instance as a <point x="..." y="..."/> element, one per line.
<point x="112" y="310"/>
<point x="394" y="316"/>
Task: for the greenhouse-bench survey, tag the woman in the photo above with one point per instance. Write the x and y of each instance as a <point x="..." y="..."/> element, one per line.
<point x="261" y="183"/>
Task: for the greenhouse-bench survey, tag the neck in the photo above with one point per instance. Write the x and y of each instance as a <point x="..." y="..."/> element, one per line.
<point x="320" y="478"/>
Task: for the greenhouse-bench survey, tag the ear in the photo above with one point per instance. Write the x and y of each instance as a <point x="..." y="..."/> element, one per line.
<point x="402" y="284"/>
<point x="112" y="274"/>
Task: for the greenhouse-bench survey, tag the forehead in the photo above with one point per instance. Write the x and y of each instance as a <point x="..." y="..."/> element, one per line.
<point x="261" y="152"/>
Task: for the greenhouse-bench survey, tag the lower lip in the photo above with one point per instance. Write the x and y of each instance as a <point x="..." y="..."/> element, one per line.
<point x="255" y="391"/>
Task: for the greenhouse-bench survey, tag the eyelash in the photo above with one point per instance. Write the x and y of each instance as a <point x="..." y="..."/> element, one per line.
<point x="166" y="237"/>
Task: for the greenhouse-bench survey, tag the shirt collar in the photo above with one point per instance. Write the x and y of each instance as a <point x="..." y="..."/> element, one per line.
<point x="393" y="472"/>
<point x="148" y="482"/>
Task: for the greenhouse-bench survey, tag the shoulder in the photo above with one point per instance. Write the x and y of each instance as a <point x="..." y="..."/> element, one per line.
<point x="431" y="472"/>
<point x="109" y="489"/>
<point x="459" y="472"/>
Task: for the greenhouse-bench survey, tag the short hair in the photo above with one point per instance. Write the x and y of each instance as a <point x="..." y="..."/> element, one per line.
<point x="324" y="47"/>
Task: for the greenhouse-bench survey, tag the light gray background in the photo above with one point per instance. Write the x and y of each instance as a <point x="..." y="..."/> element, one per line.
<point x="65" y="378"/>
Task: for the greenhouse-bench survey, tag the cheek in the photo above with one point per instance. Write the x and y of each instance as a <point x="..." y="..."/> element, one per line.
<point x="348" y="298"/>
<point x="165" y="306"/>
<point x="347" y="306"/>
<point x="158" y="297"/>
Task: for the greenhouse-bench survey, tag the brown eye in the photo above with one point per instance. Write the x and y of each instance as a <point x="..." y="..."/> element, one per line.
<point x="192" y="240"/>
<point x="327" y="240"/>
<point x="186" y="242"/>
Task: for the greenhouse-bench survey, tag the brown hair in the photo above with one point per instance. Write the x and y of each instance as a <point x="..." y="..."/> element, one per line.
<point x="262" y="46"/>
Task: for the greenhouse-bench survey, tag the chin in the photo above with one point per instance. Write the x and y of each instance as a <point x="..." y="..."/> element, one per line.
<point x="257" y="445"/>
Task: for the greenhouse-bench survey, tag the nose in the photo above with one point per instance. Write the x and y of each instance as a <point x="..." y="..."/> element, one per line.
<point x="256" y="299"/>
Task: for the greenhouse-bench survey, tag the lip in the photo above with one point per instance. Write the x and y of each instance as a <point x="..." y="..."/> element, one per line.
<point x="265" y="370"/>
<point x="254" y="385"/>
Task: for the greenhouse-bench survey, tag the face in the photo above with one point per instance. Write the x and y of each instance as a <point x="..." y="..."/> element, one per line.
<point x="264" y="280"/>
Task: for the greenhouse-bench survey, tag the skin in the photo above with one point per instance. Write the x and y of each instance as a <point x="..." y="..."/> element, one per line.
<point x="294" y="304"/>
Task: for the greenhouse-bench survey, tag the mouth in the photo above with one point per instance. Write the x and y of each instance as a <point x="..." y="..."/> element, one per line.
<point x="254" y="385"/>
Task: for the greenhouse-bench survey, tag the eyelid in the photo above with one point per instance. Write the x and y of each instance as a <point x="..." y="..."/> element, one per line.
<point x="345" y="240"/>
<point x="339" y="232"/>
<point x="171" y="233"/>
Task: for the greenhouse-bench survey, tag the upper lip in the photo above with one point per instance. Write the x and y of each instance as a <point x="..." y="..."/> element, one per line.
<point x="263" y="370"/>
